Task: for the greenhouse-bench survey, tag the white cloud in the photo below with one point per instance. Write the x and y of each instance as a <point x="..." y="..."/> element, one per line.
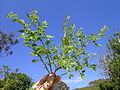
<point x="74" y="80"/>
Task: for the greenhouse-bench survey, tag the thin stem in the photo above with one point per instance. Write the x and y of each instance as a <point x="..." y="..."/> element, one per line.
<point x="44" y="64"/>
<point x="50" y="63"/>
<point x="50" y="59"/>
<point x="47" y="56"/>
<point x="57" y="69"/>
<point x="64" y="73"/>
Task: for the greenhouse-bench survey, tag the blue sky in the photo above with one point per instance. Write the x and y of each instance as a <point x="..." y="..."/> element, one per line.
<point x="92" y="15"/>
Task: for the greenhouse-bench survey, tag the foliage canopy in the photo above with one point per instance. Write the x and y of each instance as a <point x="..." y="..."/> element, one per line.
<point x="110" y="61"/>
<point x="12" y="80"/>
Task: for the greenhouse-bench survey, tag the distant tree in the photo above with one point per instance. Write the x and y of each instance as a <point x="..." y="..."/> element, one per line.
<point x="6" y="42"/>
<point x="100" y="84"/>
<point x="13" y="80"/>
<point x="88" y="88"/>
<point x="110" y="61"/>
<point x="97" y="83"/>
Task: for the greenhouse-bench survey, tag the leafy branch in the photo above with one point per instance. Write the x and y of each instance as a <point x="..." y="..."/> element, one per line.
<point x="71" y="55"/>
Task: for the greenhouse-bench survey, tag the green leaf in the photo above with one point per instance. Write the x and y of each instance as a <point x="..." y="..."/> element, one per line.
<point x="43" y="27"/>
<point x="34" y="16"/>
<point x="56" y="57"/>
<point x="71" y="64"/>
<point x="79" y="33"/>
<point x="45" y="23"/>
<point x="67" y="17"/>
<point x="15" y="20"/>
<point x="71" y="46"/>
<point x="65" y="41"/>
<point x="101" y="30"/>
<point x="16" y="70"/>
<point x="5" y="66"/>
<point x="65" y="27"/>
<point x="77" y="68"/>
<point x="51" y="62"/>
<point x="22" y="31"/>
<point x="93" y="66"/>
<point x="21" y="21"/>
<point x="82" y="75"/>
<point x="49" y="36"/>
<point x="101" y="35"/>
<point x="27" y="15"/>
<point x="73" y="26"/>
<point x="54" y="51"/>
<point x="97" y="44"/>
<point x="105" y="28"/>
<point x="34" y="54"/>
<point x="27" y="44"/>
<point x="93" y="38"/>
<point x="48" y="42"/>
<point x="68" y="69"/>
<point x="39" y="28"/>
<point x="40" y="31"/>
<point x="52" y="46"/>
<point x="92" y="34"/>
<point x="8" y="69"/>
<point x="33" y="61"/>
